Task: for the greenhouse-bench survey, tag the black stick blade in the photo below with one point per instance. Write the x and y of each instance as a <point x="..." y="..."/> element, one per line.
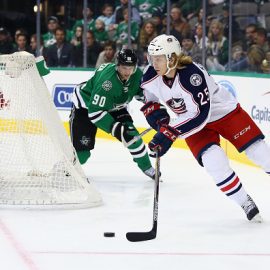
<point x="141" y="236"/>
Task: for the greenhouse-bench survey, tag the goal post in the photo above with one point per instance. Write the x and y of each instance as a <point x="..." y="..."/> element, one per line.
<point x="38" y="164"/>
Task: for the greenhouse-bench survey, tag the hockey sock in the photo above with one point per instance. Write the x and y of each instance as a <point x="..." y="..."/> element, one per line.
<point x="217" y="165"/>
<point x="259" y="153"/>
<point x="140" y="155"/>
<point x="83" y="156"/>
<point x="232" y="187"/>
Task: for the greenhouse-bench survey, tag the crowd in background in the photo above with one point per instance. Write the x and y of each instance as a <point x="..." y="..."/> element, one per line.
<point x="107" y="32"/>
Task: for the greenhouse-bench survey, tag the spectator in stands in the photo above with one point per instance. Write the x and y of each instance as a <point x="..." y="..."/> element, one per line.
<point x="108" y="54"/>
<point x="237" y="57"/>
<point x="49" y="37"/>
<point x="60" y="53"/>
<point x="78" y="36"/>
<point x="236" y="33"/>
<point x="157" y="19"/>
<point x="258" y="46"/>
<point x="90" y="22"/>
<point x="19" y="31"/>
<point x="107" y="16"/>
<point x="199" y="36"/>
<point x="121" y="34"/>
<point x="217" y="47"/>
<point x="147" y="33"/>
<point x="6" y="46"/>
<point x="93" y="50"/>
<point x="260" y="39"/>
<point x="237" y="54"/>
<point x="33" y="45"/>
<point x="190" y="48"/>
<point x="190" y="8"/>
<point x="197" y="18"/>
<point x="101" y="35"/>
<point x="250" y="32"/>
<point x="22" y="43"/>
<point x="255" y="55"/>
<point x="148" y="7"/>
<point x="179" y="25"/>
<point x="118" y="16"/>
<point x="252" y="62"/>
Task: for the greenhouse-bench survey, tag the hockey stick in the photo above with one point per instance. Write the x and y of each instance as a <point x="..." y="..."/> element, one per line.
<point x="144" y="236"/>
<point x="136" y="138"/>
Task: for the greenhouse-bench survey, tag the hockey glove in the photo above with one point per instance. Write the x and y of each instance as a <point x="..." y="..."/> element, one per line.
<point x="122" y="133"/>
<point x="162" y="141"/>
<point x="156" y="115"/>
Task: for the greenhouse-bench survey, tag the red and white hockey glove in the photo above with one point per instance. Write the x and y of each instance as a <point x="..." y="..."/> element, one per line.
<point x="163" y="140"/>
<point x="156" y="115"/>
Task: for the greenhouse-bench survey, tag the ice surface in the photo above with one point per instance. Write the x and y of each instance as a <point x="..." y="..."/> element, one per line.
<point x="198" y="227"/>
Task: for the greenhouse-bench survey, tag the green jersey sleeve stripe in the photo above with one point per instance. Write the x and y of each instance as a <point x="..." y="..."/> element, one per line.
<point x="96" y="116"/>
<point x="78" y="96"/>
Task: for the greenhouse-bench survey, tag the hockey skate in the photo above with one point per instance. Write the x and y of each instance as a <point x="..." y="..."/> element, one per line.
<point x="251" y="210"/>
<point x="151" y="173"/>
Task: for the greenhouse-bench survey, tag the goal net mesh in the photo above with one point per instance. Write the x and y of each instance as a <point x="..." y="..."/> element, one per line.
<point x="38" y="164"/>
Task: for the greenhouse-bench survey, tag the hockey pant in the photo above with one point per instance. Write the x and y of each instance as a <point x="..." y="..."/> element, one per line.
<point x="83" y="134"/>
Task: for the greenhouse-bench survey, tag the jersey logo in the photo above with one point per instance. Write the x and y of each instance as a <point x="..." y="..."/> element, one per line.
<point x="177" y="105"/>
<point x="107" y="85"/>
<point x="196" y="79"/>
<point x="85" y="140"/>
<point x="123" y="36"/>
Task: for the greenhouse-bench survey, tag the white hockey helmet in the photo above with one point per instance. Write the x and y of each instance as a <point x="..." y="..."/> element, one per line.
<point x="164" y="44"/>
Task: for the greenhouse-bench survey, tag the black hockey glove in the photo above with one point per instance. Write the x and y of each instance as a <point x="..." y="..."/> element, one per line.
<point x="162" y="141"/>
<point x="156" y="115"/>
<point x="122" y="133"/>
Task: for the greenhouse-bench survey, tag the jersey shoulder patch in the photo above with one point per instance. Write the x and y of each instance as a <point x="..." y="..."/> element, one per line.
<point x="192" y="77"/>
<point x="149" y="74"/>
<point x="104" y="79"/>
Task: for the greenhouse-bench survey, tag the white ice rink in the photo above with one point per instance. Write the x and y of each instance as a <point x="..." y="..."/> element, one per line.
<point x="198" y="227"/>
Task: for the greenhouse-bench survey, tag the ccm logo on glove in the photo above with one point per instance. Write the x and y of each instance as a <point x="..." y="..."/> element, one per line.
<point x="168" y="133"/>
<point x="150" y="107"/>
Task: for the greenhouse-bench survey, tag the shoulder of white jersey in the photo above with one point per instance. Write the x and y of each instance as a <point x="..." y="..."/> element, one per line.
<point x="149" y="74"/>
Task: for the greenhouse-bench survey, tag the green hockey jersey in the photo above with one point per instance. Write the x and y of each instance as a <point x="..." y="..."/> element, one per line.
<point x="105" y="92"/>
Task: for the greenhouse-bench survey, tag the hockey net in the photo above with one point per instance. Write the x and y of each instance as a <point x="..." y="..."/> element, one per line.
<point x="38" y="164"/>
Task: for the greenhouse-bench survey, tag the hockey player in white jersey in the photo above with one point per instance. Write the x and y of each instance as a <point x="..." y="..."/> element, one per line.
<point x="204" y="111"/>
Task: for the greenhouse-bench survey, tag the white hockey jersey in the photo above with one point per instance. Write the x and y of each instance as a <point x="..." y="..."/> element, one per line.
<point x="194" y="97"/>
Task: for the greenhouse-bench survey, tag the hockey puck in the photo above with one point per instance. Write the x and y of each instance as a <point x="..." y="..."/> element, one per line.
<point x="109" y="234"/>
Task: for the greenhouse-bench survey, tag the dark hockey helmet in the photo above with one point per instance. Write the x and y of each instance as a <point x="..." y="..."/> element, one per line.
<point x="126" y="57"/>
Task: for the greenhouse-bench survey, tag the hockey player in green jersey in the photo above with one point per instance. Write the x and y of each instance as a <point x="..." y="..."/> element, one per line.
<point x="101" y="102"/>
